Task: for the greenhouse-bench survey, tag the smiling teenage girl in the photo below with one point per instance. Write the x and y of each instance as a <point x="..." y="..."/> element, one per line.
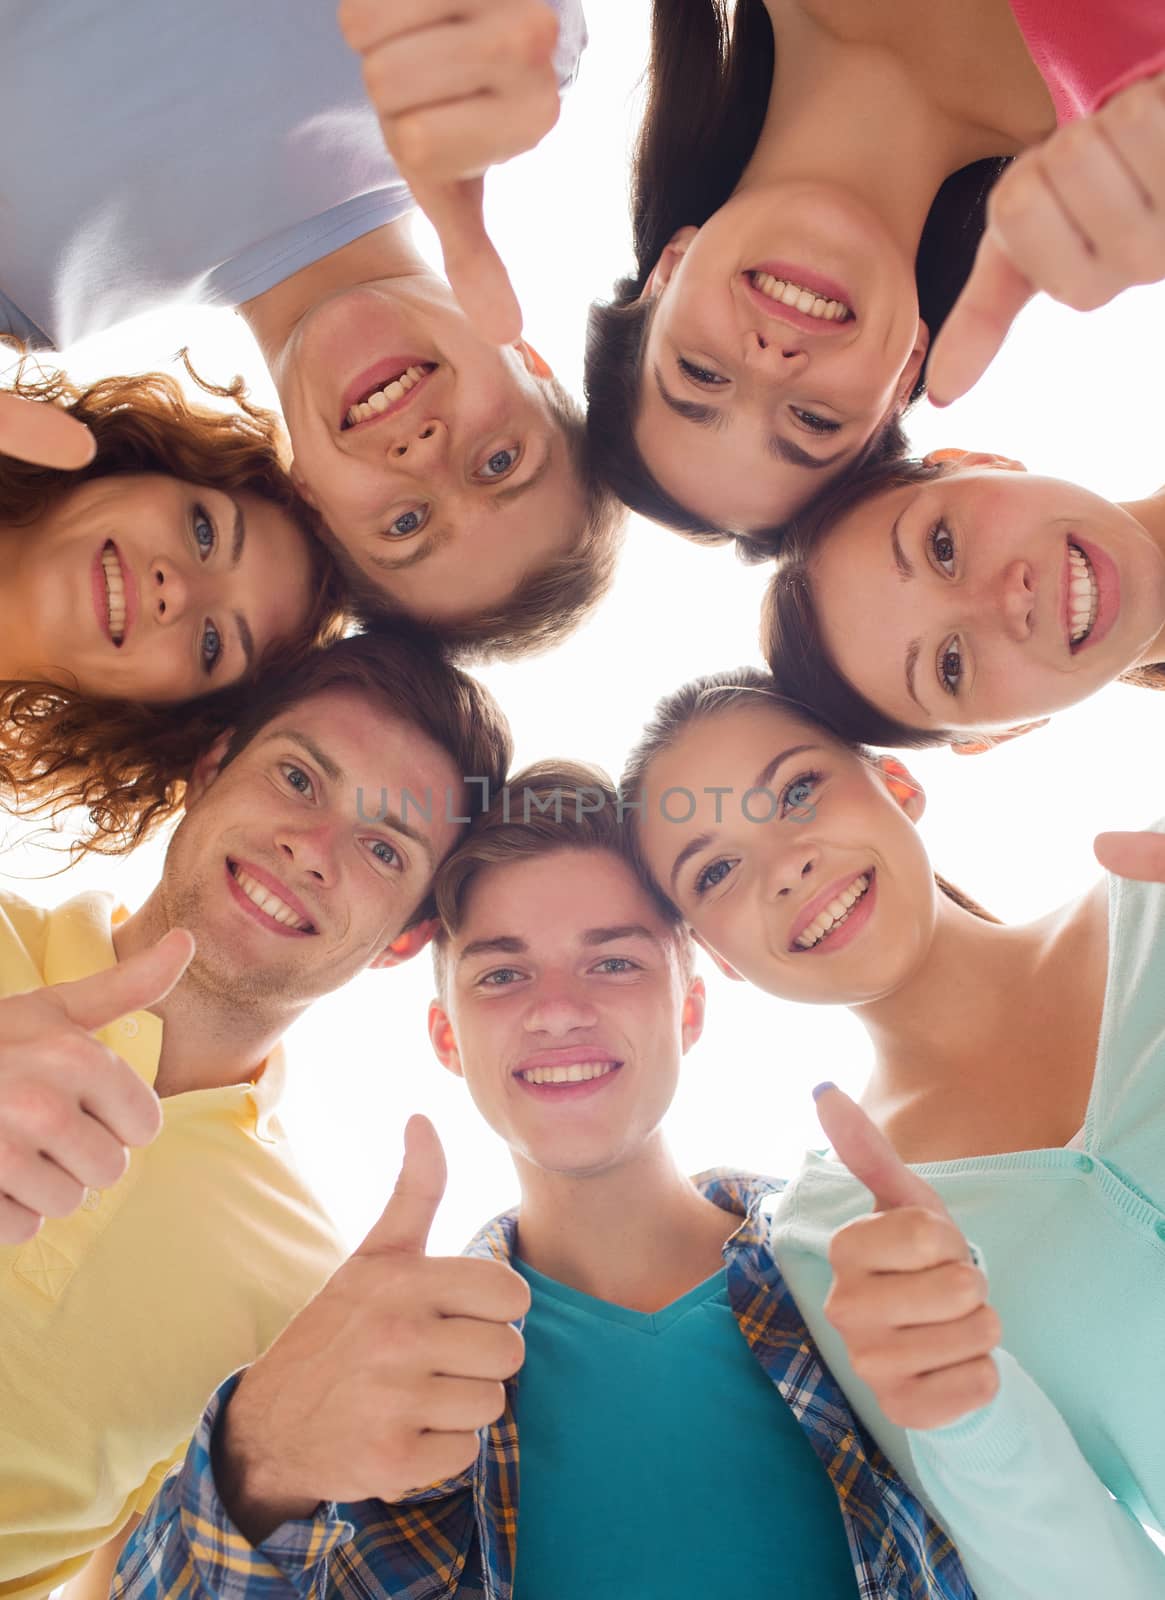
<point x="1023" y="1067"/>
<point x="142" y="591"/>
<point x="800" y="233"/>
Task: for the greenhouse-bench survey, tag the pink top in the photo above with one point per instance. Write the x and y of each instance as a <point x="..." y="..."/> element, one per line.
<point x="1088" y="49"/>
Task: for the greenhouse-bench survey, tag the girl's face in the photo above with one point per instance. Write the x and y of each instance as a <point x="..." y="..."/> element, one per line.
<point x="828" y="895"/>
<point x="750" y="405"/>
<point x="145" y="587"/>
<point x="986" y="597"/>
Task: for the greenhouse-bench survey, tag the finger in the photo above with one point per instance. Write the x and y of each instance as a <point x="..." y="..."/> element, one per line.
<point x="132" y="985"/>
<point x="39" y="432"/>
<point x="82" y="1132"/>
<point x="902" y="1298"/>
<point x="34" y="1181"/>
<point x="1109" y="207"/>
<point x="465" y="1347"/>
<point x="939" y="1398"/>
<point x="404" y="1224"/>
<point x="437" y="1456"/>
<point x="898" y="1358"/>
<point x="472" y="265"/>
<point x="909" y="1239"/>
<point x="433" y="69"/>
<point x="486" y="1291"/>
<point x="969" y="340"/>
<point x="368" y="23"/>
<point x="862" y="1147"/>
<point x="1135" y="123"/>
<point x="445" y="144"/>
<point x="17" y="1223"/>
<point x="1132" y="855"/>
<point x="457" y="1405"/>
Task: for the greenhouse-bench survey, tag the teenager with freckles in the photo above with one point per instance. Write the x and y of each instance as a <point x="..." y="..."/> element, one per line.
<point x="809" y="188"/>
<point x="663" y="1425"/>
<point x="156" y="559"/>
<point x="240" y="161"/>
<point x="1019" y="1070"/>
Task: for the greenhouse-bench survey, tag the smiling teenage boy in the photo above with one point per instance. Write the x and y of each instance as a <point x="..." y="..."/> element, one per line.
<point x="154" y="1279"/>
<point x="239" y="160"/>
<point x="655" y="1312"/>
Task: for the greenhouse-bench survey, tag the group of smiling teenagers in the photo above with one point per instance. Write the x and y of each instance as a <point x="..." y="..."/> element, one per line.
<point x="922" y="1364"/>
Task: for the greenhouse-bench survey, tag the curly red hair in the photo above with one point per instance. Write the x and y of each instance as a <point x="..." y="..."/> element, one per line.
<point x="126" y="762"/>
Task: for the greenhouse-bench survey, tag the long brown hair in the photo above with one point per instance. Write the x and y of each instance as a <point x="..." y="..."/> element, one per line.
<point x="710" y="696"/>
<point x="709" y="76"/>
<point x="123" y="761"/>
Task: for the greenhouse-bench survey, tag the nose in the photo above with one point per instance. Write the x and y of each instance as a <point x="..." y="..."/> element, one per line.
<point x="1007" y="598"/>
<point x="425" y="444"/>
<point x="559" y="1009"/>
<point x="171" y="591"/>
<point x="308" y="848"/>
<point x="790" y="867"/>
<point x="774" y="355"/>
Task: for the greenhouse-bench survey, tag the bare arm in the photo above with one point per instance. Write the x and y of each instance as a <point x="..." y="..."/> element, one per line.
<point x="94" y="1579"/>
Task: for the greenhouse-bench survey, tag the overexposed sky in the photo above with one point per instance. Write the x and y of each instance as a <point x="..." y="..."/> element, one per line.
<point x="1073" y="396"/>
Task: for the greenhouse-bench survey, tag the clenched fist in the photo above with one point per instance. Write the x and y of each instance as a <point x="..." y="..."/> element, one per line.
<point x="381" y="1384"/>
<point x="907" y="1299"/>
<point x="69" y="1106"/>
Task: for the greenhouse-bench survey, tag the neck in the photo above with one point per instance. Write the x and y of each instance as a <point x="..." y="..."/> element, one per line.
<point x="639" y="1235"/>
<point x="209" y="1039"/>
<point x="1150" y="513"/>
<point x="386" y="252"/>
<point x="853" y="116"/>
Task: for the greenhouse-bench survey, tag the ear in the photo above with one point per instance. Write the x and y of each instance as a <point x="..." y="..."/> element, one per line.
<point x="406" y="945"/>
<point x="673" y="253"/>
<point x="532" y="361"/>
<point x="904" y="788"/>
<point x="977" y="746"/>
<point x="726" y="969"/>
<point x="692" y="1022"/>
<point x="972" y="458"/>
<point x="299" y="483"/>
<point x="913" y="367"/>
<point x="443" y="1039"/>
<point x="206" y="769"/>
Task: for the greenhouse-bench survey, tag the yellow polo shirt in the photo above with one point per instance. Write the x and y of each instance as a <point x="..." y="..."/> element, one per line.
<point x="118" y="1322"/>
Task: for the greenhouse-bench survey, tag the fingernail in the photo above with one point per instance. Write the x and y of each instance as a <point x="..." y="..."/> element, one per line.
<point x="821" y="1088"/>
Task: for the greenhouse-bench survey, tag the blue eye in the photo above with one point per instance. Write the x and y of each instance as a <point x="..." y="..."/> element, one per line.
<point x="204" y="534"/>
<point x="409" y="522"/>
<point x="615" y="965"/>
<point x="942" y="547"/>
<point x="211" y="646"/>
<point x="499" y="464"/>
<point x="499" y="978"/>
<point x="383" y="851"/>
<point x="798" y="794"/>
<point x="714" y="873"/>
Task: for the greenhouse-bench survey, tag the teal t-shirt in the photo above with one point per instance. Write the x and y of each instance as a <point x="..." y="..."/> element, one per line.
<point x="657" y="1461"/>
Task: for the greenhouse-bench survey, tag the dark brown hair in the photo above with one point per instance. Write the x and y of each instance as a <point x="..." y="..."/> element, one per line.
<point x="552" y="599"/>
<point x="552" y="805"/>
<point x="403" y="669"/>
<point x="708" y="82"/>
<point x="707" y="697"/>
<point x="125" y="761"/>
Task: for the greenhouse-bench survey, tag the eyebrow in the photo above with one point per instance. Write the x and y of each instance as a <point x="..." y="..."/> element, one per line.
<point x="906" y="571"/>
<point x="763" y="778"/>
<point x="782" y="449"/>
<point x="239" y="536"/>
<point x="510" y="945"/>
<point x="246" y="639"/>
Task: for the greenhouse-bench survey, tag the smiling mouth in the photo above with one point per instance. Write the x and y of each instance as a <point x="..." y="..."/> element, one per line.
<point x="572" y="1072"/>
<point x="268" y="903"/>
<point x="799" y="298"/>
<point x="835" y="915"/>
<point x="1083" y="602"/>
<point x="388" y="395"/>
<point x="115" y="601"/>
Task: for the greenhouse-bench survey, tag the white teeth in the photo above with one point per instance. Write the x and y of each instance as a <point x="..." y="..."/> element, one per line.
<point x="792" y="294"/>
<point x="835" y="913"/>
<point x="1083" y="595"/>
<point x="114" y="594"/>
<point x="266" y="901"/>
<point x="575" y="1072"/>
<point x="381" y="399"/>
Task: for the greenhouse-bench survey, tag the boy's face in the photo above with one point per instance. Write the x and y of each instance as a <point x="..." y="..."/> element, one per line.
<point x="433" y="456"/>
<point x="294" y="867"/>
<point x="566" y="1010"/>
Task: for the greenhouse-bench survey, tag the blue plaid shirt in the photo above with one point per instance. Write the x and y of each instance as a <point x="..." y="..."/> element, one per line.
<point x="458" y="1538"/>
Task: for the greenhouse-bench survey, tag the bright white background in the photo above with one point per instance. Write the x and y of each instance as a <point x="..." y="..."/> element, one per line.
<point x="1073" y="396"/>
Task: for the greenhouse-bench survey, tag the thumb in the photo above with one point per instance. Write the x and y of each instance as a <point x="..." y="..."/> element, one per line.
<point x="862" y="1147"/>
<point x="992" y="298"/>
<point x="472" y="265"/>
<point x="132" y="985"/>
<point x="405" y="1221"/>
<point x="1132" y="855"/>
<point x="43" y="434"/>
